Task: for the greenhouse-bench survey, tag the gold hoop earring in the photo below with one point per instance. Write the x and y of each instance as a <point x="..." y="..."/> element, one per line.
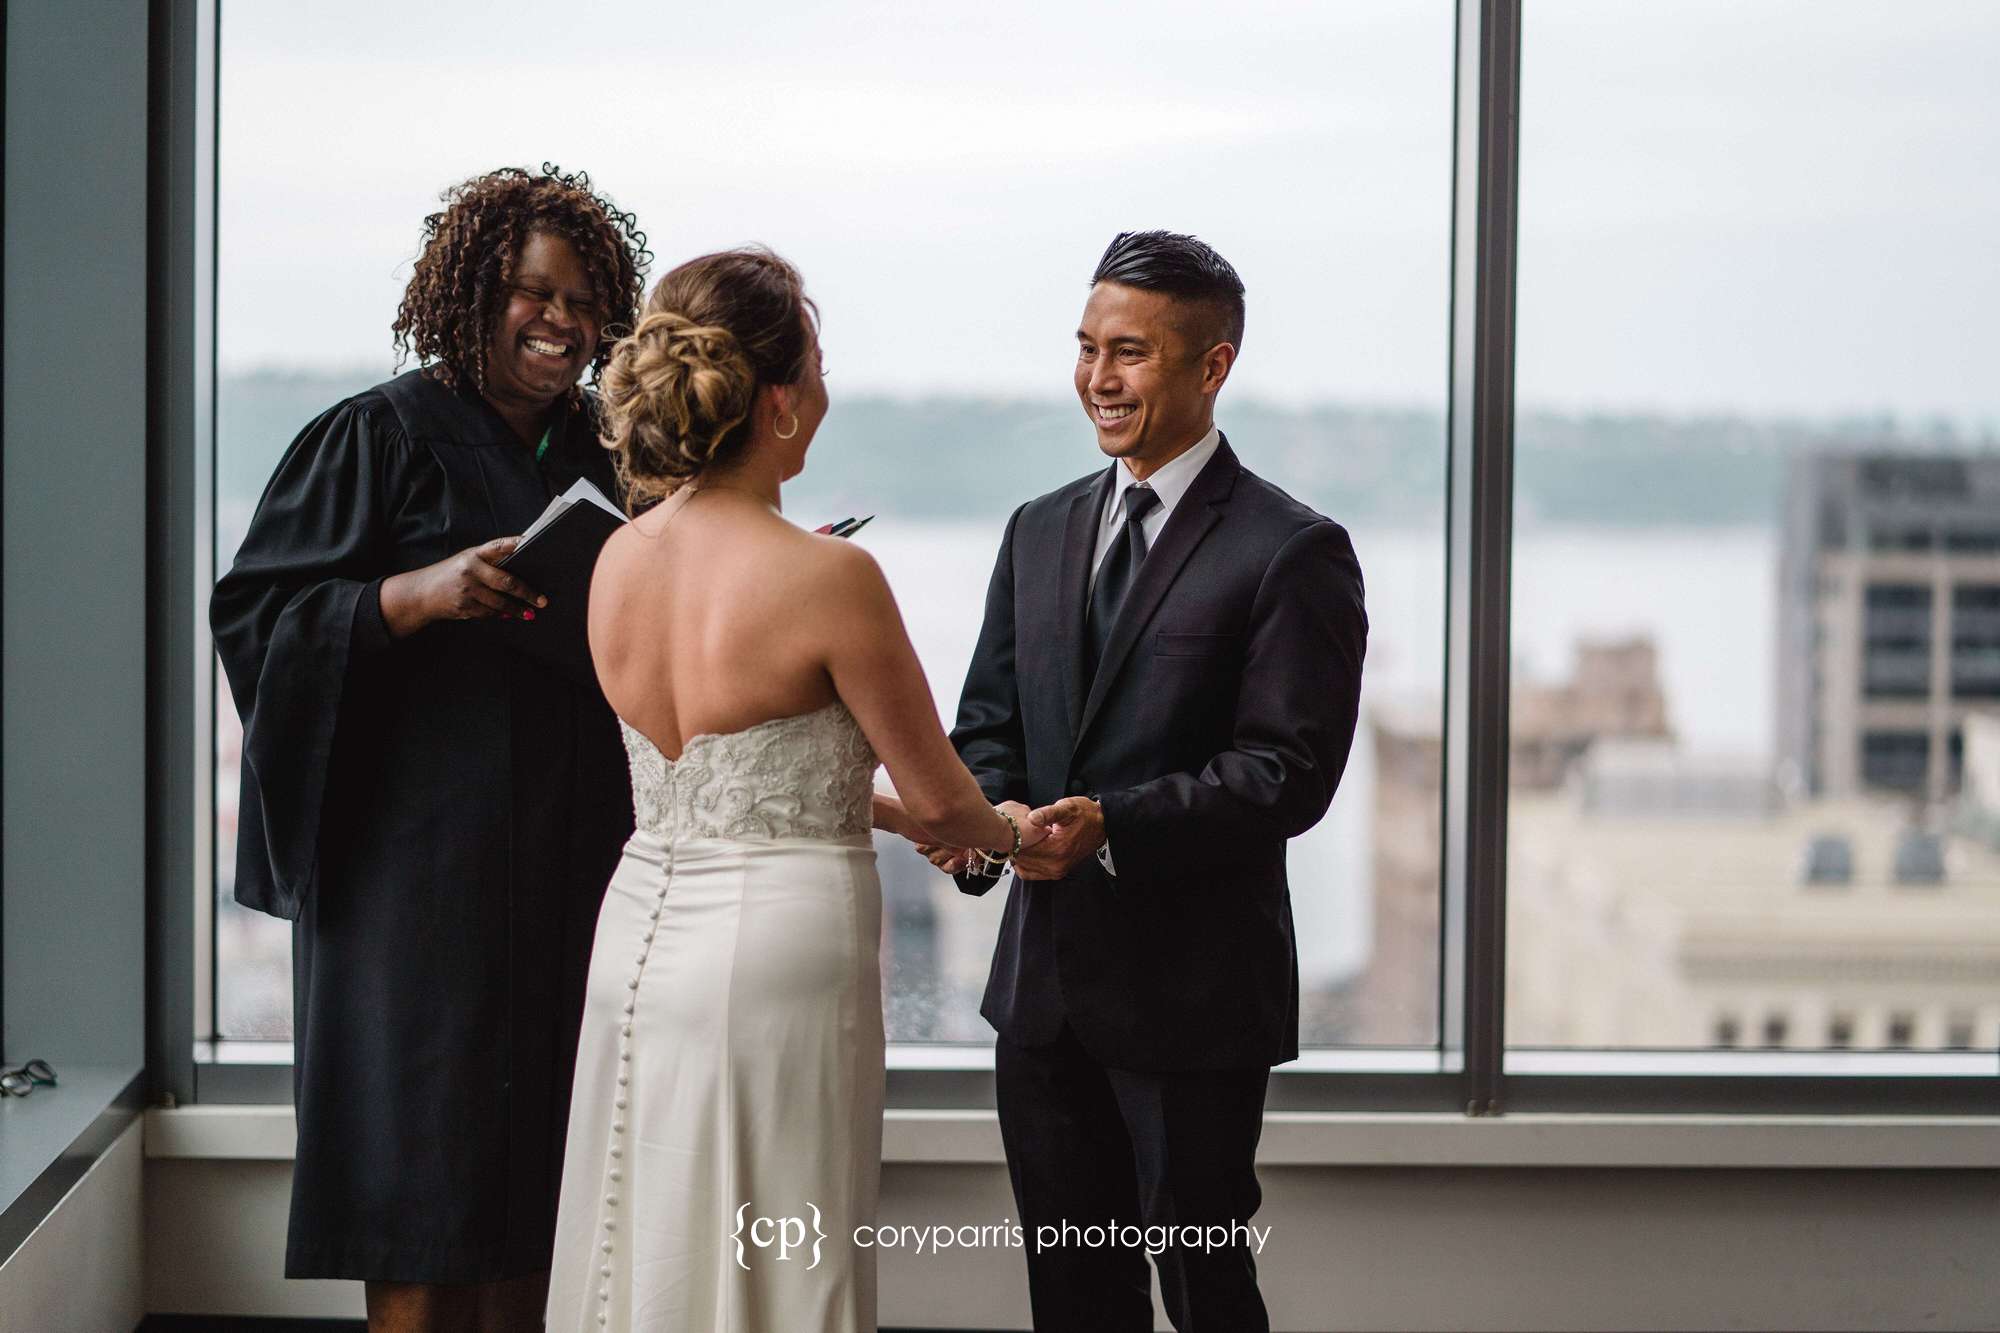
<point x="787" y="434"/>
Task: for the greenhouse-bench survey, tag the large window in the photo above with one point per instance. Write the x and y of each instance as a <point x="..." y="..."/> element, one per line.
<point x="1660" y="408"/>
<point x="1757" y="480"/>
<point x="945" y="177"/>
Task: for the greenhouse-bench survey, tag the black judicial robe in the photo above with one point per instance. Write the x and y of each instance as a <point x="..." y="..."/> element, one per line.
<point x="438" y="816"/>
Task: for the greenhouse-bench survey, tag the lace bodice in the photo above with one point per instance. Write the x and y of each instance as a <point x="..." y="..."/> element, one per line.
<point x="808" y="776"/>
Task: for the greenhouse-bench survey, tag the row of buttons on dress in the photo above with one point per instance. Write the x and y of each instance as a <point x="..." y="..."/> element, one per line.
<point x="625" y="1082"/>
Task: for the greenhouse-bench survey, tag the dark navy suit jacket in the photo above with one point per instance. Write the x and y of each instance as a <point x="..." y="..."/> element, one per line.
<point x="1216" y="727"/>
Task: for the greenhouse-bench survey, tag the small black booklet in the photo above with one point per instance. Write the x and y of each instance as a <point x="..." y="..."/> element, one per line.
<point x="556" y="557"/>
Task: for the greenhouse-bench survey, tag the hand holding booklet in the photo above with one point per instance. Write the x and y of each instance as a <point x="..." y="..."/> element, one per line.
<point x="556" y="557"/>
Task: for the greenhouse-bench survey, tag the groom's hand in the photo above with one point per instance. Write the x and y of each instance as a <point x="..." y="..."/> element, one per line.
<point x="1076" y="831"/>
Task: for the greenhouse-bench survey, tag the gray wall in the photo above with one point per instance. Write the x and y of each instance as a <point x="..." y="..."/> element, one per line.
<point x="73" y="914"/>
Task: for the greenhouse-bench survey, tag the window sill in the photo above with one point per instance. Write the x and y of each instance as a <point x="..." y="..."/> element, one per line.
<point x="49" y="1138"/>
<point x="1344" y="1139"/>
<point x="977" y="1057"/>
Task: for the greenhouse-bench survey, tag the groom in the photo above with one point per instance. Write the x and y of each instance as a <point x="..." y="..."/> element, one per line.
<point x="1169" y="670"/>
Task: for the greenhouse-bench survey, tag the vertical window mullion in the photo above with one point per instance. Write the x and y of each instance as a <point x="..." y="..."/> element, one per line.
<point x="180" y="536"/>
<point x="1484" y="192"/>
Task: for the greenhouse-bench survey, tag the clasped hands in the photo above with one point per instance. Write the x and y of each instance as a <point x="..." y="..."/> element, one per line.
<point x="1054" y="839"/>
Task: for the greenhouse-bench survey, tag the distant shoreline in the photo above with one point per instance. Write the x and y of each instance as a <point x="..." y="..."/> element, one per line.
<point x="1364" y="464"/>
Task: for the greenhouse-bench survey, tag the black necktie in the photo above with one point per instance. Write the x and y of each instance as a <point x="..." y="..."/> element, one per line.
<point x="1116" y="575"/>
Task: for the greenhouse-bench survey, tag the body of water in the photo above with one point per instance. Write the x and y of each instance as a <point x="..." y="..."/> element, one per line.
<point x="1706" y="596"/>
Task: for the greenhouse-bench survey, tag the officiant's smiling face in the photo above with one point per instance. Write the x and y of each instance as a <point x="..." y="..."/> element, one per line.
<point x="1144" y="375"/>
<point x="548" y="330"/>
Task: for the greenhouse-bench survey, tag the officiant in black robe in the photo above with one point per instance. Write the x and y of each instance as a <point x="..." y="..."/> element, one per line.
<point x="435" y="809"/>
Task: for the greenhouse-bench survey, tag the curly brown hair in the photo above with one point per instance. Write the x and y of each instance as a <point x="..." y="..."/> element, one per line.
<point x="459" y="288"/>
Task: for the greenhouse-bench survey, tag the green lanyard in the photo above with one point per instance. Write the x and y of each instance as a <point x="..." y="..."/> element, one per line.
<point x="543" y="447"/>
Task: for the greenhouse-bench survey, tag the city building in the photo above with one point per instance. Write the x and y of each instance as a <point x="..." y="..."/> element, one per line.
<point x="1613" y="691"/>
<point x="1889" y="618"/>
<point x="1663" y="900"/>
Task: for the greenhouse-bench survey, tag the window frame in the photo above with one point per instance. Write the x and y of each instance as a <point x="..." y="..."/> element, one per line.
<point x="1466" y="1072"/>
<point x="181" y="195"/>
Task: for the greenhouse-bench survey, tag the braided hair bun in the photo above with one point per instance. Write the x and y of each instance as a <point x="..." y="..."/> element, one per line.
<point x="678" y="390"/>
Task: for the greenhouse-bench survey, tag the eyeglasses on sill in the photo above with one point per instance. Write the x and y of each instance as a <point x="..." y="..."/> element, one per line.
<point x="21" y="1081"/>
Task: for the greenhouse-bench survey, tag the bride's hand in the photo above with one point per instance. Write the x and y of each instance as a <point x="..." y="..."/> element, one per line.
<point x="1031" y="832"/>
<point x="951" y="860"/>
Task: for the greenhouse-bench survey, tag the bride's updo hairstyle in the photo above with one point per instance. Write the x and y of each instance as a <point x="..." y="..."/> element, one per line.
<point x="677" y="392"/>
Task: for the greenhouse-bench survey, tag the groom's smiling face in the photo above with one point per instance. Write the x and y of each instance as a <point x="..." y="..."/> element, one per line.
<point x="1142" y="375"/>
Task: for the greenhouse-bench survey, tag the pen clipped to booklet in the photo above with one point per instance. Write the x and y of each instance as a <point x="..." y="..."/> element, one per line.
<point x="847" y="527"/>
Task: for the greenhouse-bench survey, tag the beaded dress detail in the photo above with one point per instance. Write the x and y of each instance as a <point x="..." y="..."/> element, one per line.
<point x="808" y="776"/>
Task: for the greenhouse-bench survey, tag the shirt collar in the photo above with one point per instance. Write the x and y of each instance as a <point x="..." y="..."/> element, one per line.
<point x="1170" y="483"/>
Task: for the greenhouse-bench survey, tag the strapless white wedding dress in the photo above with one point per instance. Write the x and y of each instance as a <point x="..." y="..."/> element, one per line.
<point x="730" y="1068"/>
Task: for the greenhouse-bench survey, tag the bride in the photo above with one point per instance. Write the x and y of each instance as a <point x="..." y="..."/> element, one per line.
<point x="730" y="1066"/>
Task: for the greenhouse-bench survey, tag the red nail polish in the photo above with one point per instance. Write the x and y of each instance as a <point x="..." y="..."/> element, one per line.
<point x="527" y="615"/>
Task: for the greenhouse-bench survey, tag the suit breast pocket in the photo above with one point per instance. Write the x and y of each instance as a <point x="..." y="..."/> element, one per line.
<point x="1168" y="643"/>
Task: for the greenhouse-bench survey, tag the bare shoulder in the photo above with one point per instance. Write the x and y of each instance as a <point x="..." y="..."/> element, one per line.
<point x="621" y="553"/>
<point x="630" y="574"/>
<point x="845" y="559"/>
<point x="838" y="568"/>
<point x="616" y="584"/>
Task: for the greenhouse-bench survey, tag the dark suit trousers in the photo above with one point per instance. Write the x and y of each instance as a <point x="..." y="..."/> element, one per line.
<point x="1090" y="1146"/>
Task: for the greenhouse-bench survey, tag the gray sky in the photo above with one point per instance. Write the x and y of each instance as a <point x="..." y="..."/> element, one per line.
<point x="1753" y="206"/>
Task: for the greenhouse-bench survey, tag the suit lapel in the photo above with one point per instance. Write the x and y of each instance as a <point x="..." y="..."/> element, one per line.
<point x="1073" y="589"/>
<point x="1198" y="511"/>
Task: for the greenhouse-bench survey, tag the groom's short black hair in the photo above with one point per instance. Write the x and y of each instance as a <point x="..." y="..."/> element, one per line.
<point x="1184" y="268"/>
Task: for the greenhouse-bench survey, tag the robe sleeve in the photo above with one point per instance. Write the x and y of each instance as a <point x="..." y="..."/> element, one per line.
<point x="294" y="618"/>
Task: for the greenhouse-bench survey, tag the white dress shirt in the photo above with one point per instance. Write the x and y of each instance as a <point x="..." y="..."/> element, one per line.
<point x="1170" y="483"/>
